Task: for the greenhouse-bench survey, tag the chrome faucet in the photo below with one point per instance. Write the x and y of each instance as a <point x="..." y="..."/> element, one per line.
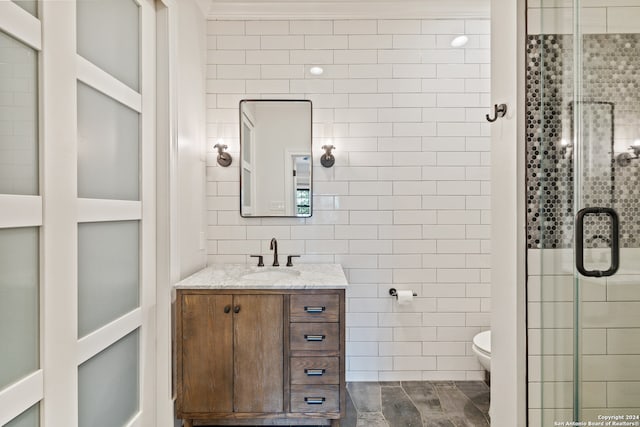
<point x="274" y="248"/>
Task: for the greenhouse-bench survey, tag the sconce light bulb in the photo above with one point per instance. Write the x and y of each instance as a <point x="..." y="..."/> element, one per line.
<point x="459" y="41"/>
<point x="316" y="71"/>
<point x="564" y="142"/>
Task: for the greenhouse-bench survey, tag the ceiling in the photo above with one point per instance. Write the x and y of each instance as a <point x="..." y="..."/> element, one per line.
<point x="345" y="9"/>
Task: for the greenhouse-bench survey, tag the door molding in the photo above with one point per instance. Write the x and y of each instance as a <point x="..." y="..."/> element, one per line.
<point x="508" y="244"/>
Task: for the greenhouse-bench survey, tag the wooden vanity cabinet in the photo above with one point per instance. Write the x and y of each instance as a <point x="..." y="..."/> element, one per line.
<point x="232" y="353"/>
<point x="260" y="357"/>
<point x="207" y="354"/>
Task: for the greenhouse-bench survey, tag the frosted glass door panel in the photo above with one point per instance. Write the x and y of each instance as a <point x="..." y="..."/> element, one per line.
<point x="29" y="418"/>
<point x="19" y="313"/>
<point x="108" y="147"/>
<point x="108" y="36"/>
<point x="108" y="272"/>
<point x="108" y="385"/>
<point x="19" y="317"/>
<point x="18" y="117"/>
<point x="30" y="6"/>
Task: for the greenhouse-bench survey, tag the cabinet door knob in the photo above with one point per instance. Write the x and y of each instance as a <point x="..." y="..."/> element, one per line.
<point x="227" y="308"/>
<point x="236" y="309"/>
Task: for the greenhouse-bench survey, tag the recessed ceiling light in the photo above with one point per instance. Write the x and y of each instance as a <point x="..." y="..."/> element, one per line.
<point x="316" y="71"/>
<point x="459" y="41"/>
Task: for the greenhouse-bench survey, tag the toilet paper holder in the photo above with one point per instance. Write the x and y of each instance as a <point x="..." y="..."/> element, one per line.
<point x="394" y="293"/>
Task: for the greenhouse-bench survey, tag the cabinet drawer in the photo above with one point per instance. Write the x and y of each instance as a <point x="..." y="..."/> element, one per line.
<point x="314" y="308"/>
<point x="314" y="336"/>
<point x="318" y="398"/>
<point x="315" y="370"/>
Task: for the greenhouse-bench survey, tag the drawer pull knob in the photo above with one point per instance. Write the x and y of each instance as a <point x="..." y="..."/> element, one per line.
<point x="314" y="372"/>
<point x="314" y="337"/>
<point x="314" y="400"/>
<point x="314" y="310"/>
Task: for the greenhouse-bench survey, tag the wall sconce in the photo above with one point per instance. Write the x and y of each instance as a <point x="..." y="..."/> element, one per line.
<point x="224" y="158"/>
<point x="566" y="147"/>
<point x="624" y="159"/>
<point x="327" y="160"/>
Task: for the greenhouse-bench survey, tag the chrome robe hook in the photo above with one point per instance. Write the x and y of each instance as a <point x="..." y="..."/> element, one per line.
<point x="498" y="111"/>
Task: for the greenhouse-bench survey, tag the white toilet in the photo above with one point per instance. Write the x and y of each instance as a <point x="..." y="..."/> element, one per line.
<point x="482" y="348"/>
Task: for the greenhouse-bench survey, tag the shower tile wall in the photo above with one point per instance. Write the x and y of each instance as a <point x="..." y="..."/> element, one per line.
<point x="406" y="204"/>
<point x="609" y="308"/>
<point x="611" y="97"/>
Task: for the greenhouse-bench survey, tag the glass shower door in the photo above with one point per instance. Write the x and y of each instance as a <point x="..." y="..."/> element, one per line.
<point x="606" y="367"/>
<point x="583" y="191"/>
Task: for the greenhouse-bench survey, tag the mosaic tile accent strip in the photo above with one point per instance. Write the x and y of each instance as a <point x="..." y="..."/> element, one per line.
<point x="610" y="116"/>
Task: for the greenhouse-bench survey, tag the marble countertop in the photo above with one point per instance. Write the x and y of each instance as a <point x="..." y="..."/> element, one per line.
<point x="243" y="276"/>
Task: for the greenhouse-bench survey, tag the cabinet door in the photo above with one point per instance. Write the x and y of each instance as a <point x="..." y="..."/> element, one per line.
<point x="258" y="344"/>
<point x="207" y="351"/>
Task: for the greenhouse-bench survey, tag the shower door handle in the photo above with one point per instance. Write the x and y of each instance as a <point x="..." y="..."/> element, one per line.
<point x="615" y="242"/>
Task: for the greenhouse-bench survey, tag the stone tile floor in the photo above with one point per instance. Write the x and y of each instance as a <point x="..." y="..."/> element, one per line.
<point x="417" y="404"/>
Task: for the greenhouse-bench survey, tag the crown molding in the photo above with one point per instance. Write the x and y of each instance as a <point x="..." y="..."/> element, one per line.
<point x="204" y="6"/>
<point x="336" y="9"/>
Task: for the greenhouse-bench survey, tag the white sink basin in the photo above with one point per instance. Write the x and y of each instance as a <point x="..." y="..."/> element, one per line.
<point x="271" y="275"/>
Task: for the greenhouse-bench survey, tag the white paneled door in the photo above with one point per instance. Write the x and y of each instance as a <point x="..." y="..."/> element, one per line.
<point x="77" y="213"/>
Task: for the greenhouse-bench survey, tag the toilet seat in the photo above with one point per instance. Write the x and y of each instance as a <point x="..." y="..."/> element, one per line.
<point x="482" y="348"/>
<point x="482" y="342"/>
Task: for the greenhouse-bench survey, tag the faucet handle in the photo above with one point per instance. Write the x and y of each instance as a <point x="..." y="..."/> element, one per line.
<point x="289" y="257"/>
<point x="260" y="263"/>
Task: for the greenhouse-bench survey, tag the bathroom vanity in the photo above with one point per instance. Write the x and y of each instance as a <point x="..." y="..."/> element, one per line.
<point x="261" y="345"/>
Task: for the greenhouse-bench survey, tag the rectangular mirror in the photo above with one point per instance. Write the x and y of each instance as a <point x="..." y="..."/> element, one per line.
<point x="275" y="156"/>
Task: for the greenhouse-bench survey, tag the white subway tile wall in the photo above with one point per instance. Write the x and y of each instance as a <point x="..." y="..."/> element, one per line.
<point x="599" y="17"/>
<point x="406" y="204"/>
<point x="608" y="334"/>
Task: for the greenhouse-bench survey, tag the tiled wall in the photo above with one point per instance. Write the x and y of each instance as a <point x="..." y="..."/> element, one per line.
<point x="610" y="115"/>
<point x="609" y="327"/>
<point x="406" y="204"/>
<point x="609" y="337"/>
<point x="596" y="16"/>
